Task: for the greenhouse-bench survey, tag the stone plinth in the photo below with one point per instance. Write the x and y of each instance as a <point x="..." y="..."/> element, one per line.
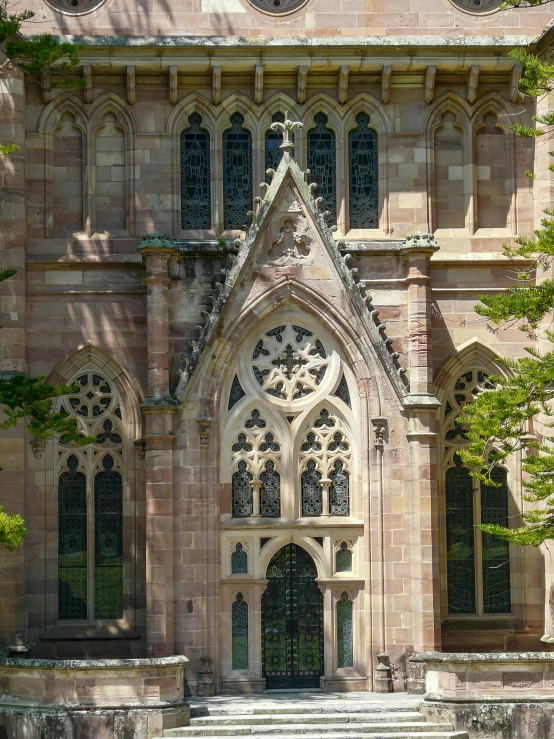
<point x="104" y="699"/>
<point x="498" y="695"/>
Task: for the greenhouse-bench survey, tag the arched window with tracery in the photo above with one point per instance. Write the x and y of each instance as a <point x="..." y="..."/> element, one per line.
<point x="363" y="175"/>
<point x="288" y="448"/>
<point x="237" y="174"/>
<point x="90" y="505"/>
<point x="325" y="457"/>
<point x="196" y="196"/>
<point x="322" y="163"/>
<point x="478" y="564"/>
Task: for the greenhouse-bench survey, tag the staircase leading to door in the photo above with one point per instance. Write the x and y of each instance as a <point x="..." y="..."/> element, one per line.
<point x="314" y="716"/>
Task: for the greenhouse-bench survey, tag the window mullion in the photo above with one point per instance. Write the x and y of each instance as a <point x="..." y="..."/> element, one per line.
<point x="478" y="544"/>
<point x="90" y="548"/>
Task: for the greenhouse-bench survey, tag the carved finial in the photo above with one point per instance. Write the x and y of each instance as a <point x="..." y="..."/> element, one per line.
<point x="287" y="128"/>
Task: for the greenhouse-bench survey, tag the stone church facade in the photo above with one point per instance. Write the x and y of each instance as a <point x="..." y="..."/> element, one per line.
<point x="271" y="329"/>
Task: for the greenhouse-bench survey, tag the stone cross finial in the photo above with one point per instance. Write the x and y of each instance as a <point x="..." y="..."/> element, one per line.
<point x="287" y="128"/>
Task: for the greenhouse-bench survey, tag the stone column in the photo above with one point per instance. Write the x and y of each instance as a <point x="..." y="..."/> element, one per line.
<point x="13" y="355"/>
<point x="158" y="409"/>
<point x="421" y="407"/>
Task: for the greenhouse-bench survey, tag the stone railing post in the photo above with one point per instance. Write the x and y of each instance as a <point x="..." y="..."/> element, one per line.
<point x="158" y="409"/>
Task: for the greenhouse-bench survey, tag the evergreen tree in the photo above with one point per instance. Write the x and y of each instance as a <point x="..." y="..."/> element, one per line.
<point x="499" y="420"/>
<point x="23" y="397"/>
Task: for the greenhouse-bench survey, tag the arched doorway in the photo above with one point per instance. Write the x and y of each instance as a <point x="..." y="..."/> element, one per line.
<point x="292" y="621"/>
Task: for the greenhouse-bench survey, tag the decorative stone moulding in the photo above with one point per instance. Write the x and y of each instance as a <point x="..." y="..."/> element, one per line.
<point x="477" y="6"/>
<point x="104" y="699"/>
<point x="74" y="7"/>
<point x="278" y="7"/>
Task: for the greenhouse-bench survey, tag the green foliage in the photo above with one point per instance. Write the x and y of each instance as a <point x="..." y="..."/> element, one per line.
<point x="29" y="397"/>
<point x="36" y="55"/>
<point x="12" y="530"/>
<point x="23" y="397"/>
<point x="499" y="419"/>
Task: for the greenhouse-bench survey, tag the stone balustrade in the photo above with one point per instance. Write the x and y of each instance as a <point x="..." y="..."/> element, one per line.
<point x="134" y="698"/>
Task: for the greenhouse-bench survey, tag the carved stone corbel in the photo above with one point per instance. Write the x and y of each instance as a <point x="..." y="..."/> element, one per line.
<point x="379" y="424"/>
<point x="204" y="431"/>
<point x="38" y="446"/>
<point x="301" y="83"/>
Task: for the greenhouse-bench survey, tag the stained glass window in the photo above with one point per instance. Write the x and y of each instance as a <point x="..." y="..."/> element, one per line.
<point x="195" y="176"/>
<point x="459" y="541"/>
<point x="342" y="392"/>
<point x="496" y="551"/>
<point x="322" y="163"/>
<point x="270" y="493"/>
<point x="237" y="174"/>
<point x="345" y="637"/>
<point x="108" y="538"/>
<point x="242" y="492"/>
<point x="363" y="175"/>
<point x="339" y="497"/>
<point x="311" y="491"/>
<point x="273" y="140"/>
<point x="236" y="393"/>
<point x="239" y="561"/>
<point x="239" y="617"/>
<point x="72" y="543"/>
<point x="343" y="558"/>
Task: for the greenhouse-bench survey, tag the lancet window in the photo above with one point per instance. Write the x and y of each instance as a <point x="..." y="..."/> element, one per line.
<point x="478" y="565"/>
<point x="90" y="505"/>
<point x="237" y="174"/>
<point x="363" y="196"/>
<point x="345" y="635"/>
<point x="343" y="558"/>
<point x="257" y="459"/>
<point x="239" y="561"/>
<point x="325" y="457"/>
<point x="239" y="617"/>
<point x="273" y="140"/>
<point x="196" y="200"/>
<point x="322" y="163"/>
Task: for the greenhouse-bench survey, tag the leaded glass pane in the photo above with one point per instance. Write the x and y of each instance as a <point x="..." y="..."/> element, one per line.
<point x="273" y="140"/>
<point x="72" y="543"/>
<point x="195" y="176"/>
<point x="459" y="541"/>
<point x="239" y="561"/>
<point x="237" y="174"/>
<point x="345" y="640"/>
<point x="363" y="198"/>
<point x="108" y="540"/>
<point x="339" y="497"/>
<point x="243" y="500"/>
<point x="496" y="551"/>
<point x="239" y="617"/>
<point x="343" y="559"/>
<point x="322" y="163"/>
<point x="342" y="392"/>
<point x="312" y="498"/>
<point x="270" y="493"/>
<point x="236" y="393"/>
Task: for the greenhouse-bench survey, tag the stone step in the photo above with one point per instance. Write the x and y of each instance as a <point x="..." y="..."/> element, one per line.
<point x="302" y="718"/>
<point x="374" y="733"/>
<point x="259" y="706"/>
<point x="383" y="727"/>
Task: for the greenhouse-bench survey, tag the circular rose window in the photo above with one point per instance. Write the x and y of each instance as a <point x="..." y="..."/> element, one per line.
<point x="289" y="362"/>
<point x="477" y="6"/>
<point x="75" y="7"/>
<point x="278" y="7"/>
